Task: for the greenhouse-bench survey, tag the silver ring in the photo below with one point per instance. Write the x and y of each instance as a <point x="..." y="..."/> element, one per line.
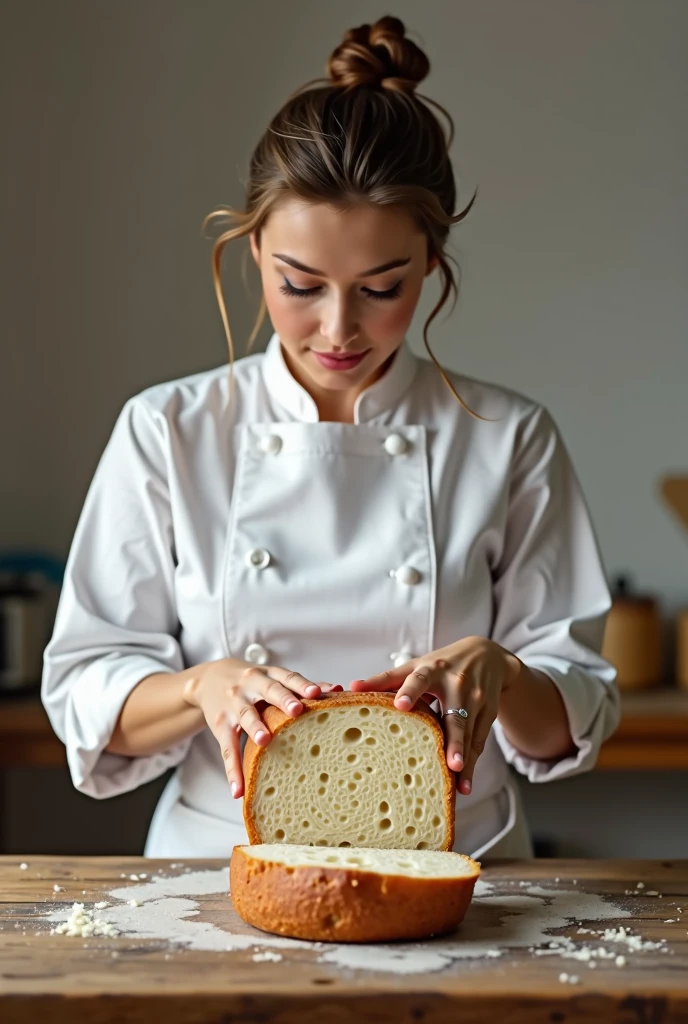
<point x="456" y="711"/>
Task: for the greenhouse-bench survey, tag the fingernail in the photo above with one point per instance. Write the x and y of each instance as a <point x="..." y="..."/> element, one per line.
<point x="458" y="760"/>
<point x="337" y="688"/>
<point x="406" y="701"/>
<point x="356" y="681"/>
<point x="292" y="704"/>
<point x="313" y="688"/>
<point x="466" y="786"/>
<point x="260" y="735"/>
<point x="234" y="789"/>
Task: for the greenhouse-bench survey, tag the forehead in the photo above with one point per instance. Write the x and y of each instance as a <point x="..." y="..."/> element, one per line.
<point x="324" y="236"/>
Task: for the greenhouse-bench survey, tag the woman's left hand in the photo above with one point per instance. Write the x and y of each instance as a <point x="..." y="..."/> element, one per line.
<point x="470" y="674"/>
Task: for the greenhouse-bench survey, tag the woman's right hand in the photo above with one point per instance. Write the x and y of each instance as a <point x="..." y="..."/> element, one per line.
<point x="226" y="691"/>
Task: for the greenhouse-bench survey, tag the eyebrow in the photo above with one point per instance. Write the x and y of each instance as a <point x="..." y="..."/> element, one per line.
<point x="319" y="273"/>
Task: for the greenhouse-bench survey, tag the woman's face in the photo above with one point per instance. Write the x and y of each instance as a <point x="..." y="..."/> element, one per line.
<point x="340" y="283"/>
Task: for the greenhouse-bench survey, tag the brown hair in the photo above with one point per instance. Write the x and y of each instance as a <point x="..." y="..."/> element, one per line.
<point x="361" y="135"/>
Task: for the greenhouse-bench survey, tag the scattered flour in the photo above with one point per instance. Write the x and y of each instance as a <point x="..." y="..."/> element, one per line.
<point x="163" y="908"/>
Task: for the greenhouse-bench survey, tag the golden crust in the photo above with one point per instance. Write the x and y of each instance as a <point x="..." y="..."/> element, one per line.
<point x="345" y="904"/>
<point x="276" y="721"/>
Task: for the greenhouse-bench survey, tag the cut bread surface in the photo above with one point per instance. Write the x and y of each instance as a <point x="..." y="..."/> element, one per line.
<point x="351" y="895"/>
<point x="351" y="771"/>
<point x="409" y="863"/>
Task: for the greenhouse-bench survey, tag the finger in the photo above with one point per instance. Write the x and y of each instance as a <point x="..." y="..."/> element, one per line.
<point x="228" y="737"/>
<point x="474" y="749"/>
<point x="297" y="683"/>
<point x="260" y="685"/>
<point x="455" y="730"/>
<point x="391" y="679"/>
<point x="424" y="679"/>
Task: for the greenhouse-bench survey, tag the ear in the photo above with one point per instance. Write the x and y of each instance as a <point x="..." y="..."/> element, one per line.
<point x="433" y="264"/>
<point x="255" y="248"/>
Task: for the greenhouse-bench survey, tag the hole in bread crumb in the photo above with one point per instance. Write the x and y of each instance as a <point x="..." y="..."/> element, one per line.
<point x="371" y="741"/>
<point x="352" y="787"/>
<point x="418" y="813"/>
<point x="270" y="791"/>
<point x="323" y="716"/>
<point x="410" y="830"/>
<point x="337" y="807"/>
<point x="292" y="738"/>
<point x="364" y="712"/>
<point x="437" y="820"/>
<point x="412" y="762"/>
<point x="321" y="842"/>
<point x="324" y="777"/>
<point x="369" y="768"/>
<point x="352" y="758"/>
<point x="315" y="750"/>
<point x="358" y="776"/>
<point x="302" y="778"/>
<point x="353" y="860"/>
<point x="402" y="739"/>
<point x="279" y="834"/>
<point x="384" y="806"/>
<point x="422" y="845"/>
<point x="332" y="860"/>
<point x="426" y="737"/>
<point x="408" y="781"/>
<point x="360" y="839"/>
<point x="385" y="824"/>
<point x="306" y="824"/>
<point x="419" y="780"/>
<point x="322" y="791"/>
<point x="394" y="728"/>
<point x="343" y="817"/>
<point x="288" y="820"/>
<point x="345" y="843"/>
<point x="353" y="736"/>
<point x="432" y="791"/>
<point x="354" y="803"/>
<point x="395" y="785"/>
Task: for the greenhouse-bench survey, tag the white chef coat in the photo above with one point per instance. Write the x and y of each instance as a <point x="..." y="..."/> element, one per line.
<point x="241" y="525"/>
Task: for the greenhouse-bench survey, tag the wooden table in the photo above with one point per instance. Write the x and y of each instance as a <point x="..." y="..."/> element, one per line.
<point x="652" y="735"/>
<point x="50" y="977"/>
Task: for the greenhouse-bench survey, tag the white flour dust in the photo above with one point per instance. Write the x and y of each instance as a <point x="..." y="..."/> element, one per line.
<point x="494" y="924"/>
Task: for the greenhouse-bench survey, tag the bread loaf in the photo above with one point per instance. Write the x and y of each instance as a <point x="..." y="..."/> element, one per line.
<point x="354" y="895"/>
<point x="351" y="770"/>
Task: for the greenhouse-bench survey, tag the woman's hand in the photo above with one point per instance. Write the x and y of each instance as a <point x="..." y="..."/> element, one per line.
<point x="227" y="692"/>
<point x="471" y="674"/>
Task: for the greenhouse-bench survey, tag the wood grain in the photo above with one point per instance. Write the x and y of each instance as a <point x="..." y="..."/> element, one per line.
<point x="50" y="978"/>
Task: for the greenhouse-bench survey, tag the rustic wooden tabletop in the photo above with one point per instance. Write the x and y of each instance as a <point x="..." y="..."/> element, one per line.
<point x="544" y="941"/>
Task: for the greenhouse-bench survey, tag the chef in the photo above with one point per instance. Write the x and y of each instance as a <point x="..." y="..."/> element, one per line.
<point x="336" y="512"/>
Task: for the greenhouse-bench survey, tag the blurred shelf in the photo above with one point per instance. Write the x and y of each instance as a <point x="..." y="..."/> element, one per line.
<point x="652" y="734"/>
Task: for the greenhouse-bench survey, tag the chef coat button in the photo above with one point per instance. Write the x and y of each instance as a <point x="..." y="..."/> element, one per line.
<point x="407" y="575"/>
<point x="258" y="558"/>
<point x="271" y="444"/>
<point x="395" y="444"/>
<point x="400" y="657"/>
<point x="257" y="654"/>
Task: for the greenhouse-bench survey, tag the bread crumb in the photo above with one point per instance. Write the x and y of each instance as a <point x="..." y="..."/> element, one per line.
<point x="563" y="977"/>
<point x="640" y="885"/>
<point x="620" y="961"/>
<point x="354" y="882"/>
<point x="134" y="903"/>
<point x="652" y="892"/>
<point x="58" y="888"/>
<point x="101" y="905"/>
<point x="23" y="866"/>
<point x="134" y="878"/>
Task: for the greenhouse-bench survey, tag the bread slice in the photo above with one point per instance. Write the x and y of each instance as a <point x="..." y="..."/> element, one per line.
<point x="351" y="770"/>
<point x="356" y="895"/>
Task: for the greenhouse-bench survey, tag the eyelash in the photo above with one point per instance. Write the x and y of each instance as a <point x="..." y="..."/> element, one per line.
<point x="306" y="293"/>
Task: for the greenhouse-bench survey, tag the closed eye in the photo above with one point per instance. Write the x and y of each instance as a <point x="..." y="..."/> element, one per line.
<point x="304" y="293"/>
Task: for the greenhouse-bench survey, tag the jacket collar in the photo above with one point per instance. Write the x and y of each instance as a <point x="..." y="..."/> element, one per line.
<point x="377" y="399"/>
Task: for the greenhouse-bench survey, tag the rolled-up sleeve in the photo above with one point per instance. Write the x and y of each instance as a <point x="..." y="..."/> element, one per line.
<point x="551" y="596"/>
<point x="116" y="620"/>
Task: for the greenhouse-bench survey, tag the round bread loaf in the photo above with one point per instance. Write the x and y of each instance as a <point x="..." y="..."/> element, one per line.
<point x="351" y="895"/>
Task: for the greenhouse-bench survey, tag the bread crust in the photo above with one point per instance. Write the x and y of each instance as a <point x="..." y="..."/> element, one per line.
<point x="346" y="904"/>
<point x="276" y="720"/>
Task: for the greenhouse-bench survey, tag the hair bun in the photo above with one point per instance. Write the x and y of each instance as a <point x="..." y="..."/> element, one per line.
<point x="379" y="56"/>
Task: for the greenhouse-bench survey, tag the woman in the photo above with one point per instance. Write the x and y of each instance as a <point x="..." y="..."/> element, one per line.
<point x="334" y="512"/>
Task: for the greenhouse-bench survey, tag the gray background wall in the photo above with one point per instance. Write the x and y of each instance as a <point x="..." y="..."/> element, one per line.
<point x="125" y="122"/>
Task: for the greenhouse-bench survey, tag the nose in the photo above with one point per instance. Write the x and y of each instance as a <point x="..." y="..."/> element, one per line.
<point x="338" y="325"/>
